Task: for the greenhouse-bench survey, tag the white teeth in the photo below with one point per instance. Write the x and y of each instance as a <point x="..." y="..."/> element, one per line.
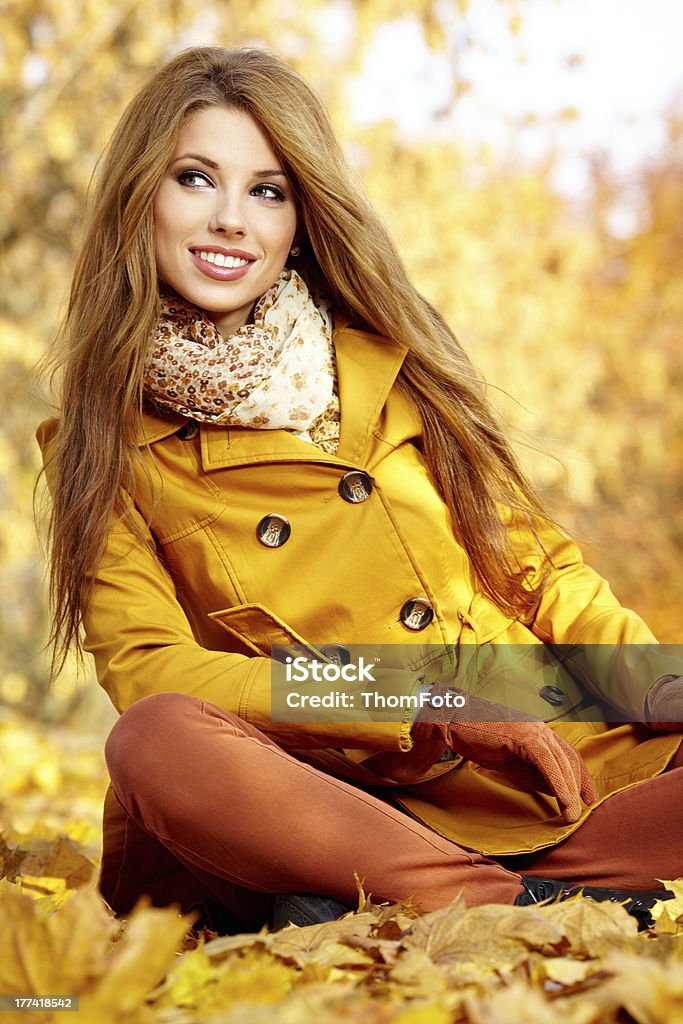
<point x="220" y="260"/>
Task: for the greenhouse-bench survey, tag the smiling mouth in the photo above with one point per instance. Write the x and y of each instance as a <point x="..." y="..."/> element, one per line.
<point x="219" y="260"/>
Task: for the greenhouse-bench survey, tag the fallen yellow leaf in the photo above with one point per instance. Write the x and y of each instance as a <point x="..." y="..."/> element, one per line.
<point x="673" y="907"/>
<point x="58" y="953"/>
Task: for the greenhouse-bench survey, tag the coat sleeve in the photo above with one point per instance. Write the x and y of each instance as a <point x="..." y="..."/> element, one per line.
<point x="609" y="647"/>
<point x="142" y="643"/>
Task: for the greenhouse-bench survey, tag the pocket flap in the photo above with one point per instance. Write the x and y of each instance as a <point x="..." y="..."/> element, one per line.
<point x="257" y="628"/>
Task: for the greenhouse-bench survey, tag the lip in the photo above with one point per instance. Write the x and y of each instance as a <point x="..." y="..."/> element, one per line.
<point x="221" y="273"/>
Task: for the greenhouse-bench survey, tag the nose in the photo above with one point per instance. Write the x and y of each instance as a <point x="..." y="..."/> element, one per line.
<point x="228" y="215"/>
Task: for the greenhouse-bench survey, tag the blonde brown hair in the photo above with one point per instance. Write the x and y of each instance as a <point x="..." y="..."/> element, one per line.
<point x="114" y="303"/>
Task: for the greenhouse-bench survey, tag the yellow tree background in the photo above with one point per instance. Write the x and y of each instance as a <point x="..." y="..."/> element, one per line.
<point x="578" y="331"/>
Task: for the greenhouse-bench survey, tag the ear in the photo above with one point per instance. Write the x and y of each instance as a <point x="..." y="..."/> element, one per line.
<point x="300" y="237"/>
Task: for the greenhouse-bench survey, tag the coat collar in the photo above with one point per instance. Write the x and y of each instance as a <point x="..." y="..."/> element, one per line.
<point x="367" y="366"/>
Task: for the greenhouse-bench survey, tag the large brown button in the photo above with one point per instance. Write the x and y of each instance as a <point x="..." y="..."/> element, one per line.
<point x="355" y="486"/>
<point x="337" y="654"/>
<point x="188" y="431"/>
<point x="553" y="694"/>
<point x="417" y="613"/>
<point x="273" y="530"/>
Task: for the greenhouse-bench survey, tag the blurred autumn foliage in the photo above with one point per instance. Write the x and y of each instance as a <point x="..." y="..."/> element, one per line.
<point x="579" y="332"/>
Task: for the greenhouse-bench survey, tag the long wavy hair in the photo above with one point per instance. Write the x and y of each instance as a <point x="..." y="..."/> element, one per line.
<point x="114" y="305"/>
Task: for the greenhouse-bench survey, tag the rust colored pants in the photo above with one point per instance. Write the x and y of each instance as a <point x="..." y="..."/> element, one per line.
<point x="209" y="813"/>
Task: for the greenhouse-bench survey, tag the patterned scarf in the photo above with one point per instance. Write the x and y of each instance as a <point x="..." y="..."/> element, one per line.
<point x="278" y="372"/>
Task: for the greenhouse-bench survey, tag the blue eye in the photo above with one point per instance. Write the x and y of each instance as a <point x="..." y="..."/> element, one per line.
<point x="194" y="179"/>
<point x="269" y="192"/>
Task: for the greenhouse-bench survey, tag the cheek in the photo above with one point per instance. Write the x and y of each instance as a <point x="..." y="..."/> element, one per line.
<point x="161" y="246"/>
<point x="168" y="221"/>
<point x="287" y="234"/>
<point x="169" y="213"/>
<point x="159" y="226"/>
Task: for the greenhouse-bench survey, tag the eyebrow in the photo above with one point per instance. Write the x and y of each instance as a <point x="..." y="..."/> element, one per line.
<point x="199" y="158"/>
<point x="208" y="162"/>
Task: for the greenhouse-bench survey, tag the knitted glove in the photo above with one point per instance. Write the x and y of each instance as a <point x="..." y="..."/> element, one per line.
<point x="665" y="700"/>
<point x="504" y="740"/>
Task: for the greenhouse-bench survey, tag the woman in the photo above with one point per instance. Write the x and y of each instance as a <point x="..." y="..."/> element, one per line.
<point x="267" y="437"/>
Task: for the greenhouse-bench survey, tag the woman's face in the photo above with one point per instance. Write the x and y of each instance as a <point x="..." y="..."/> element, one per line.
<point x="224" y="216"/>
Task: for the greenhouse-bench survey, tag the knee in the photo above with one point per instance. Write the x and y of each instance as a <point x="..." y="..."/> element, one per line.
<point x="147" y="733"/>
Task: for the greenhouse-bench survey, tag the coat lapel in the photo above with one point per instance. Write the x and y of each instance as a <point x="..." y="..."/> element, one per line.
<point x="367" y="366"/>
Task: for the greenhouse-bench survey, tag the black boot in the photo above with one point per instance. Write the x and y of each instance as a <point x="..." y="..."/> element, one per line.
<point x="637" y="904"/>
<point x="296" y="908"/>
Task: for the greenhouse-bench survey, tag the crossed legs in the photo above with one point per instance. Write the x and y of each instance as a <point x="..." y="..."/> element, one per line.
<point x="208" y="803"/>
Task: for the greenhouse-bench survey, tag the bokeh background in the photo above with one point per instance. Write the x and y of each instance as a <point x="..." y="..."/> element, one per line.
<point x="527" y="155"/>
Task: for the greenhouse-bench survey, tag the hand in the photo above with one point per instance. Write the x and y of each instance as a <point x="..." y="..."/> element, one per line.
<point x="665" y="700"/>
<point x="509" y="741"/>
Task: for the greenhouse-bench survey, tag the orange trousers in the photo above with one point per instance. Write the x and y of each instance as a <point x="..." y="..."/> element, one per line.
<point x="209" y="813"/>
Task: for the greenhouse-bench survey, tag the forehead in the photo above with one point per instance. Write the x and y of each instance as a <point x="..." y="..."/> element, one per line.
<point x="228" y="136"/>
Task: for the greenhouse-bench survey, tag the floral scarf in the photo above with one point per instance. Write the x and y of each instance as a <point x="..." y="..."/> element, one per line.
<point x="278" y="372"/>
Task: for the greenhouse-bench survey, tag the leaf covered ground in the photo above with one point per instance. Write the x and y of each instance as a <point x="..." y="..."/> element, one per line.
<point x="576" y="962"/>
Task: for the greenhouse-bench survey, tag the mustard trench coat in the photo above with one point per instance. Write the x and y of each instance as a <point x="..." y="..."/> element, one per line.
<point x="201" y="618"/>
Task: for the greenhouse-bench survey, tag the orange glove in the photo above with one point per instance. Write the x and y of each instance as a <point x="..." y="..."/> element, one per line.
<point x="504" y="740"/>
<point x="665" y="700"/>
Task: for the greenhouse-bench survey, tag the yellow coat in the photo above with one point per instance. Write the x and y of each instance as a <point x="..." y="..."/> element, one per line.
<point x="203" y="624"/>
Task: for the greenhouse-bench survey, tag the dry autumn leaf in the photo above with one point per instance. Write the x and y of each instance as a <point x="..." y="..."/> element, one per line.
<point x="137" y="962"/>
<point x="516" y="1004"/>
<point x="672" y="908"/>
<point x="484" y="935"/>
<point x="649" y="991"/>
<point x="254" y="977"/>
<point x="323" y="945"/>
<point x="58" y="953"/>
<point x="593" y="929"/>
<point x="53" y="858"/>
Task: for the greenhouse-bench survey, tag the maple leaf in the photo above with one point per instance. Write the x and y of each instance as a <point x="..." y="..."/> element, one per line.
<point x="649" y="990"/>
<point x="516" y="1004"/>
<point x="52" y="954"/>
<point x="253" y="977"/>
<point x="562" y="971"/>
<point x="324" y="945"/>
<point x="672" y="907"/>
<point x="73" y="952"/>
<point x="137" y="962"/>
<point x="666" y="925"/>
<point x="417" y="974"/>
<point x="485" y="934"/>
<point x="56" y="858"/>
<point x="593" y="929"/>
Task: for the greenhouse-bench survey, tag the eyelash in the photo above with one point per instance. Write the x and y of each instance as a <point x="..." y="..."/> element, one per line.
<point x="185" y="177"/>
<point x="277" y="193"/>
